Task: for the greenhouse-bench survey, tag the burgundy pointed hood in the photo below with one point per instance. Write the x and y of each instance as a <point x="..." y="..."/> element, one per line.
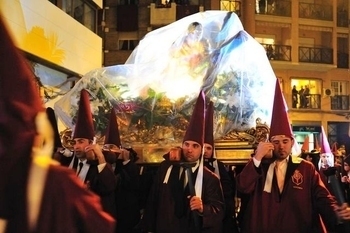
<point x="84" y="127"/>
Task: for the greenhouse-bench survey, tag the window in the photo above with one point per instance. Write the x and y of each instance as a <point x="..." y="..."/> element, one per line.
<point x="306" y="93"/>
<point x="339" y="95"/>
<point x="268" y="41"/>
<point x="229" y="5"/>
<point x="265" y="39"/>
<point x="127" y="44"/>
<point x="339" y="87"/>
<point x="80" y="10"/>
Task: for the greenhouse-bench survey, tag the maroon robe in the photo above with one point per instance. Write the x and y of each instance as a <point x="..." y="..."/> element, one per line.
<point x="66" y="207"/>
<point x="297" y="209"/>
<point x="102" y="183"/>
<point x="160" y="210"/>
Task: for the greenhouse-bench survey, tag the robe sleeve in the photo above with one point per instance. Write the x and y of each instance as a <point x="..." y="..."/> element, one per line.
<point x="150" y="213"/>
<point x="248" y="178"/>
<point x="105" y="182"/>
<point x="213" y="203"/>
<point x="68" y="206"/>
<point x="324" y="202"/>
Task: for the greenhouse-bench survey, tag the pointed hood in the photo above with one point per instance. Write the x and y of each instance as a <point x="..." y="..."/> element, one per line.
<point x="317" y="145"/>
<point x="209" y="125"/>
<point x="326" y="150"/>
<point x="335" y="148"/>
<point x="279" y="122"/>
<point x="195" y="129"/>
<point x="84" y="127"/>
<point x="20" y="100"/>
<point x="112" y="134"/>
<point x="52" y="118"/>
<point x="20" y="105"/>
<point x="209" y="134"/>
<point x="305" y="147"/>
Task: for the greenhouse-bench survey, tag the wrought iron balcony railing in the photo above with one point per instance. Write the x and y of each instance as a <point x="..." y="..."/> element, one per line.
<point x="311" y="101"/>
<point x="340" y="102"/>
<point x="278" y="52"/>
<point x="342" y="18"/>
<point x="315" y="11"/>
<point x="316" y="55"/>
<point x="278" y="8"/>
<point x="343" y="60"/>
<point x="228" y="5"/>
<point x="186" y="10"/>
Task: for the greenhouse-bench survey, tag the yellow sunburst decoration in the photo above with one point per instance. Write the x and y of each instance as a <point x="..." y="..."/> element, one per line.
<point x="46" y="47"/>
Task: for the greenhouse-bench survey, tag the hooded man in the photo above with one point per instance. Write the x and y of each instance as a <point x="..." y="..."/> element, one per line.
<point x="36" y="195"/>
<point x="175" y="204"/>
<point x="218" y="167"/>
<point x="127" y="174"/>
<point x="88" y="160"/>
<point x="286" y="192"/>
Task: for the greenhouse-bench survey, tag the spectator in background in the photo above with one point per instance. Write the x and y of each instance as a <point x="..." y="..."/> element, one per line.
<point x="294" y="97"/>
<point x="345" y="179"/>
<point x="270" y="52"/>
<point x="301" y="97"/>
<point x="307" y="97"/>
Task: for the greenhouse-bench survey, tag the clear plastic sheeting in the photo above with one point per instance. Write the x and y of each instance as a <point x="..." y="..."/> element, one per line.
<point x="154" y="91"/>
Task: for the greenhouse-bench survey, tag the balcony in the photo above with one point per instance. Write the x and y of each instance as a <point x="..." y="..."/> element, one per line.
<point x="166" y="14"/>
<point x="162" y="15"/>
<point x="186" y="10"/>
<point x="278" y="52"/>
<point x="340" y="102"/>
<point x="277" y="8"/>
<point x="315" y="11"/>
<point x="234" y="6"/>
<point x="316" y="55"/>
<point x="343" y="60"/>
<point x="312" y="101"/>
<point x="342" y="18"/>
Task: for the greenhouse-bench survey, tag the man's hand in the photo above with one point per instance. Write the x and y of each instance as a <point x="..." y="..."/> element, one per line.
<point x="263" y="149"/>
<point x="124" y="155"/>
<point x="343" y="212"/>
<point x="196" y="203"/>
<point x="94" y="151"/>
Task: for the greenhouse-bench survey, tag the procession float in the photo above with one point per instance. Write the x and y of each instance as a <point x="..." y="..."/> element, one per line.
<point x="153" y="93"/>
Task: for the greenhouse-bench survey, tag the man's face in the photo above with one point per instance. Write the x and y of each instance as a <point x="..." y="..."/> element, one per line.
<point x="208" y="151"/>
<point x="282" y="146"/>
<point x="191" y="150"/>
<point x="326" y="160"/>
<point x="79" y="147"/>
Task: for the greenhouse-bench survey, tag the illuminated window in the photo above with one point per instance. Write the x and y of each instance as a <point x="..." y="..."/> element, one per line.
<point x="306" y="93"/>
<point x="228" y="5"/>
